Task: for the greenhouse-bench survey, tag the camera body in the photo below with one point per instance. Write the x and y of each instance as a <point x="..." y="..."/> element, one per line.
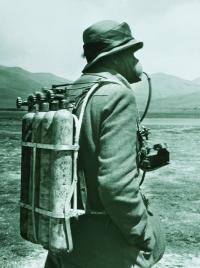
<point x="151" y="157"/>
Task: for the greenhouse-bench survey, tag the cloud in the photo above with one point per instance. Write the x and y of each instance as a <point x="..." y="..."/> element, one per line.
<point x="174" y="44"/>
<point x="47" y="35"/>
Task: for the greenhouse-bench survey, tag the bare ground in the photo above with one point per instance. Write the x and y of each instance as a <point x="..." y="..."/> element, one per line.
<point x="174" y="193"/>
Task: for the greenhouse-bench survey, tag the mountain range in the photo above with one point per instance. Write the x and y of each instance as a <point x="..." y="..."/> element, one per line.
<point x="170" y="94"/>
<point x="17" y="82"/>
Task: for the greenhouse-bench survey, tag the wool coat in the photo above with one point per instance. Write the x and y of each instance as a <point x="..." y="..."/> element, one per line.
<point x="124" y="235"/>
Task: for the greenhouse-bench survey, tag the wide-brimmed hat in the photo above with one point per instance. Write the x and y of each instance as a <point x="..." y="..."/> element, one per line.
<point x="105" y="38"/>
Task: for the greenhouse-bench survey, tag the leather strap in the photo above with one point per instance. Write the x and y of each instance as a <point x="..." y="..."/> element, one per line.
<point x="83" y="189"/>
<point x="69" y="235"/>
<point x="83" y="102"/>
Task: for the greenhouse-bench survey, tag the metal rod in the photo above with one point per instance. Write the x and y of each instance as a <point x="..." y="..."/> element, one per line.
<point x="33" y="195"/>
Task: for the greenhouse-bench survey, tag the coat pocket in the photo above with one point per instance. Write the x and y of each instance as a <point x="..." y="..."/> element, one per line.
<point x="159" y="236"/>
<point x="157" y="230"/>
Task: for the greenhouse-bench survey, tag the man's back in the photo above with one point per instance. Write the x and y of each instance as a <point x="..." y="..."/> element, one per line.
<point x="116" y="230"/>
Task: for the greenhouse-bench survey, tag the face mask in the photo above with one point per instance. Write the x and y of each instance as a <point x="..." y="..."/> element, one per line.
<point x="137" y="72"/>
<point x="128" y="66"/>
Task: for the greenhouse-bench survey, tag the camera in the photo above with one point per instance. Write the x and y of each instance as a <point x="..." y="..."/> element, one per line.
<point x="154" y="157"/>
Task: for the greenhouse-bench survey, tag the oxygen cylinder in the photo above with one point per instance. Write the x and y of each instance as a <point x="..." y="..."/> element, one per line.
<point x="34" y="186"/>
<point x="48" y="174"/>
<point x="45" y="173"/>
<point x="55" y="178"/>
<point x="30" y="180"/>
<point x="61" y="175"/>
<point x="26" y="159"/>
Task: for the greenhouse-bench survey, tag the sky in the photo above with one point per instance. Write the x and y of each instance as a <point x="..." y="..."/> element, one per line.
<point x="46" y="35"/>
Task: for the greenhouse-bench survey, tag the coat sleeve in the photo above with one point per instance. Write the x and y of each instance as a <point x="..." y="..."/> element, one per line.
<point x="117" y="186"/>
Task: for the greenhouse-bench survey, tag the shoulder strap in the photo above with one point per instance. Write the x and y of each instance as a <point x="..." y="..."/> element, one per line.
<point x="85" y="98"/>
<point x="83" y="188"/>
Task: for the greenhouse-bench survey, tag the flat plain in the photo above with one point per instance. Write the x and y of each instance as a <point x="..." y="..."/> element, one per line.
<point x="174" y="192"/>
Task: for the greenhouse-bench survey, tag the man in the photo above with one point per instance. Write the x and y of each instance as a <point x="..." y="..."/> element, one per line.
<point x="117" y="230"/>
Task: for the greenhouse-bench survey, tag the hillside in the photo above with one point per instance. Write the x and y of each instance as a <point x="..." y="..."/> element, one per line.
<point x="170" y="94"/>
<point x="185" y="103"/>
<point x="15" y="81"/>
<point x="196" y="81"/>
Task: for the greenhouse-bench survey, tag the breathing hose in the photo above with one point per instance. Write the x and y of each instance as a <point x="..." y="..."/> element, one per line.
<point x="145" y="112"/>
<point x="149" y="97"/>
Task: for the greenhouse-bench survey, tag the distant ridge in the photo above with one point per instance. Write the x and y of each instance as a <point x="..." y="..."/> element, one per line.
<point x="15" y="81"/>
<point x="196" y="81"/>
<point x="171" y="94"/>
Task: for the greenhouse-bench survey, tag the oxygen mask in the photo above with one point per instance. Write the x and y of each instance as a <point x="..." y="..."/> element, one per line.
<point x="129" y="66"/>
<point x="137" y="72"/>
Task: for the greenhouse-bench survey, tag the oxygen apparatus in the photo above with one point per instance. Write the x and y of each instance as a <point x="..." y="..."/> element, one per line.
<point x="50" y="144"/>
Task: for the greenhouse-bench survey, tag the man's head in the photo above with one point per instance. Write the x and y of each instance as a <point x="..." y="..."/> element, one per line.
<point x="111" y="44"/>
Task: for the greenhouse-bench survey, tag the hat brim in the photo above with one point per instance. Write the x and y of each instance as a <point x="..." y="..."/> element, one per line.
<point x="135" y="44"/>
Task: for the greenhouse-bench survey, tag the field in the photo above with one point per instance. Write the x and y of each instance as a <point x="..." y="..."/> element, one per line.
<point x="174" y="191"/>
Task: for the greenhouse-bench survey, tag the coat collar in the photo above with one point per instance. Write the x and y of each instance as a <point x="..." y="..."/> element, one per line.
<point x="108" y="74"/>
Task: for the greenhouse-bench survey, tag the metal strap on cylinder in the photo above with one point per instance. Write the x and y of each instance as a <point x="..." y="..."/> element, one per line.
<point x="52" y="214"/>
<point x="33" y="194"/>
<point x="58" y="147"/>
